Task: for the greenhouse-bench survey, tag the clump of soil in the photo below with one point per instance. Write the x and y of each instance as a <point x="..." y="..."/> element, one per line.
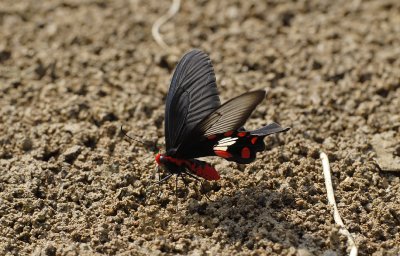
<point x="72" y="72"/>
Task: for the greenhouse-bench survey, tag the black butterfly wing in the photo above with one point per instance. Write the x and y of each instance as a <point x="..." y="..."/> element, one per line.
<point x="192" y="96"/>
<point x="230" y="116"/>
<point x="269" y="129"/>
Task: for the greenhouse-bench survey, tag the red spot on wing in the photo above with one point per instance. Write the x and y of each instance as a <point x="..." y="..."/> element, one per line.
<point x="223" y="154"/>
<point x="242" y="134"/>
<point x="227" y="134"/>
<point x="211" y="137"/>
<point x="245" y="152"/>
<point x="254" y="140"/>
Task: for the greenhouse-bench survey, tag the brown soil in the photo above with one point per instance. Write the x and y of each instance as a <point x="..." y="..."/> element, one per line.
<point x="72" y="72"/>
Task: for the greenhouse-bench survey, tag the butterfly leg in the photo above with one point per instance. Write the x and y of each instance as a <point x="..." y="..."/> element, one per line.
<point x="158" y="173"/>
<point x="176" y="193"/>
<point x="192" y="175"/>
<point x="184" y="180"/>
<point x="161" y="181"/>
<point x="202" y="188"/>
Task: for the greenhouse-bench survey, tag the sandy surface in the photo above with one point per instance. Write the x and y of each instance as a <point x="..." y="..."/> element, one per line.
<point x="72" y="72"/>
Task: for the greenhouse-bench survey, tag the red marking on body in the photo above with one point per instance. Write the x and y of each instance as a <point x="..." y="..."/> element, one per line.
<point x="202" y="169"/>
<point x="245" y="152"/>
<point x="177" y="161"/>
<point x="254" y="140"/>
<point x="158" y="159"/>
<point x="227" y="134"/>
<point x="223" y="154"/>
<point x="199" y="168"/>
<point x="242" y="134"/>
<point x="211" y="137"/>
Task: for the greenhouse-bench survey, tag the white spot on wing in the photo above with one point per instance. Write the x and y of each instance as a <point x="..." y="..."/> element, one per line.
<point x="220" y="148"/>
<point x="225" y="142"/>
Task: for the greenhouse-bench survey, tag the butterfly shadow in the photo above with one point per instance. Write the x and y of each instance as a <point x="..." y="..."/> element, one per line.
<point x="255" y="217"/>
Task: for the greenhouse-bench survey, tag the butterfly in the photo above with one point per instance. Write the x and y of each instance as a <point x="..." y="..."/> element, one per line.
<point x="197" y="125"/>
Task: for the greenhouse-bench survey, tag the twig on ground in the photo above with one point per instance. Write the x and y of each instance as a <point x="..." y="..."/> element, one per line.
<point x="331" y="198"/>
<point x="155" y="30"/>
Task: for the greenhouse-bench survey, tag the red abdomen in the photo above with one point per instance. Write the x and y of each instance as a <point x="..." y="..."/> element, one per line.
<point x="197" y="167"/>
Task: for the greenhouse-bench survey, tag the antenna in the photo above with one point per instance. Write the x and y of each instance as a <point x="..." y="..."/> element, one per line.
<point x="152" y="148"/>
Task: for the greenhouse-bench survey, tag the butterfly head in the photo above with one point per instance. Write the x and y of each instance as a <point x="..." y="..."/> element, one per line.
<point x="160" y="159"/>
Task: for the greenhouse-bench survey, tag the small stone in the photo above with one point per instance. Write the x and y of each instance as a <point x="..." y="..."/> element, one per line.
<point x="50" y="250"/>
<point x="329" y="253"/>
<point x="329" y="143"/>
<point x="72" y="153"/>
<point x="27" y="144"/>
<point x="4" y="55"/>
<point x="303" y="252"/>
<point x="385" y="145"/>
<point x="72" y="128"/>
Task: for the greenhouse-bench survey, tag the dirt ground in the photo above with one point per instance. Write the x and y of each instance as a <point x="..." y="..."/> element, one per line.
<point x="72" y="72"/>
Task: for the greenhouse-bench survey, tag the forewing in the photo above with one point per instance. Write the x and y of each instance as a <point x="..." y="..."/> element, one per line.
<point x="192" y="96"/>
<point x="228" y="117"/>
<point x="231" y="115"/>
<point x="269" y="129"/>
